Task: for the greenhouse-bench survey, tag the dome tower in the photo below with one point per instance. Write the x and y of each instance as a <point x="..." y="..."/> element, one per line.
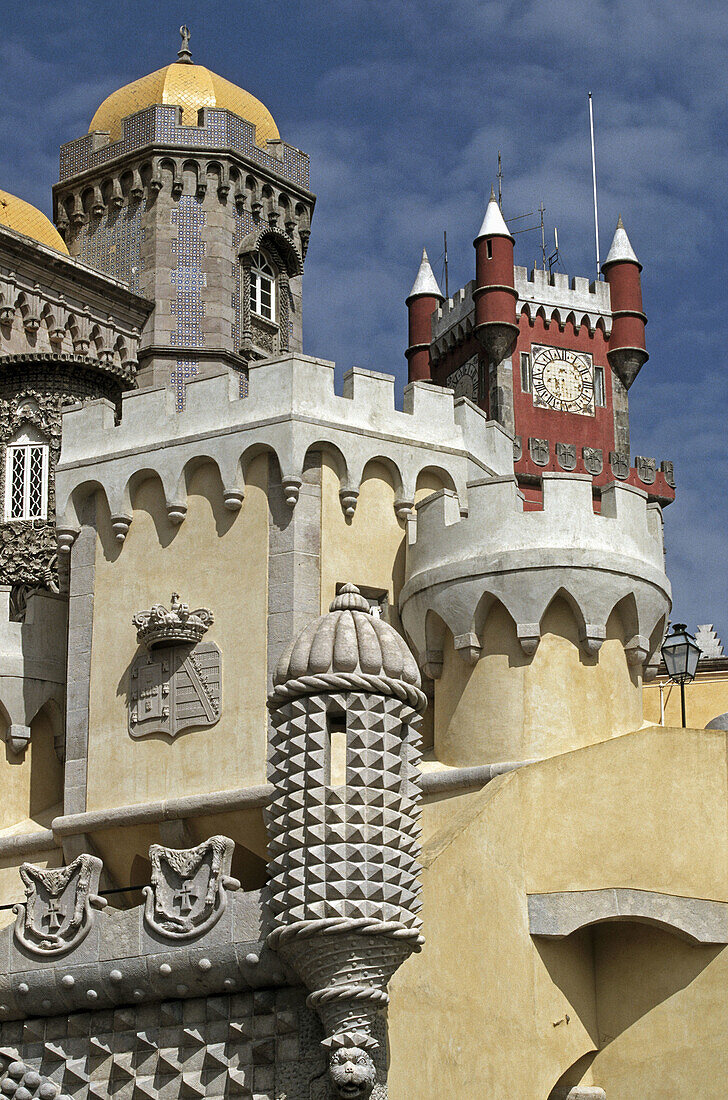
<point x="184" y="190"/>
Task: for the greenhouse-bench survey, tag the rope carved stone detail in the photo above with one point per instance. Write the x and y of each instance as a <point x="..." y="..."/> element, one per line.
<point x="343" y="825"/>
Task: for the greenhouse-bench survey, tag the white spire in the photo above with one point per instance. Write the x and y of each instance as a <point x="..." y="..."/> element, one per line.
<point x="425" y="283"/>
<point x="493" y="223"/>
<point x="621" y="250"/>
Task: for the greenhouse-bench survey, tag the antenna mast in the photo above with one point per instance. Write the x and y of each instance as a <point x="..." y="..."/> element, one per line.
<point x="500" y="182"/>
<point x="594" y="184"/>
<point x="542" y="211"/>
<point x="447" y="288"/>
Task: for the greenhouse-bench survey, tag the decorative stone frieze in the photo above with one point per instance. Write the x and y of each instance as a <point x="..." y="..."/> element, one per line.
<point x="668" y="470"/>
<point x="189" y="889"/>
<point x="59" y="909"/>
<point x="343" y="823"/>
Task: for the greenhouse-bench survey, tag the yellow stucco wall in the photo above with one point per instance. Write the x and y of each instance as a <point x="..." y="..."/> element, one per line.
<point x="368" y="548"/>
<point x="705" y="698"/>
<point x="216" y="559"/>
<point x="512" y="707"/>
<point x="482" y="1010"/>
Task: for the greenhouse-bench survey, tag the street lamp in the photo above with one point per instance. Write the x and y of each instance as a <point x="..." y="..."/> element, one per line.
<point x="681" y="654"/>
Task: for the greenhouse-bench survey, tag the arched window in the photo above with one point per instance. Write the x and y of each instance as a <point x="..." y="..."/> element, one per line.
<point x="26" y="475"/>
<point x="262" y="287"/>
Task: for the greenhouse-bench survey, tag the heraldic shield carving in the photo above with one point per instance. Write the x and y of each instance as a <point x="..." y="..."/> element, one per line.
<point x="173" y="688"/>
<point x="189" y="889"/>
<point x="58" y="911"/>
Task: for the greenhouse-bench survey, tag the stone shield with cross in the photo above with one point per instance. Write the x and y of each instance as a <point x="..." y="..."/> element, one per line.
<point x="58" y="910"/>
<point x="189" y="888"/>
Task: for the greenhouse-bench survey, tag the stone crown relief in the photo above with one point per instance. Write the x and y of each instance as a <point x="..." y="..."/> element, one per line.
<point x="176" y="681"/>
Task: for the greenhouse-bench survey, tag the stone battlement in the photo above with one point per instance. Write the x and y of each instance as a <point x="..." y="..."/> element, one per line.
<point x="556" y="296"/>
<point x="524" y="559"/>
<point x="159" y="125"/>
<point x="291" y="407"/>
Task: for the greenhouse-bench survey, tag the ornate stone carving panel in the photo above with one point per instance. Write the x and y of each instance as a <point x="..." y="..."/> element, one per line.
<point x="58" y="911"/>
<point x="173" y="688"/>
<point x="189" y="888"/>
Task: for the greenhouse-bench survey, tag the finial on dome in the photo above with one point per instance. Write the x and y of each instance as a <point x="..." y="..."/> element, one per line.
<point x="492" y="193"/>
<point x="184" y="55"/>
<point x="350" y="599"/>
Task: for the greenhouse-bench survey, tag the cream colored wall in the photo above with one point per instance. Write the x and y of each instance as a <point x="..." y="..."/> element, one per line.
<point x="31" y="783"/>
<point x="705" y="698"/>
<point x="512" y="707"/>
<point x="482" y="1010"/>
<point x="216" y="559"/>
<point x="31" y="797"/>
<point x="368" y="548"/>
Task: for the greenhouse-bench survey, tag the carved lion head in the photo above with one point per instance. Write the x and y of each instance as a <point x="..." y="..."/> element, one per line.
<point x="352" y="1072"/>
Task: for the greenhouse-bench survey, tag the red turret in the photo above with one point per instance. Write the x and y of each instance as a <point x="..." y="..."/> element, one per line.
<point x="627" y="350"/>
<point x="423" y="300"/>
<point x="494" y="294"/>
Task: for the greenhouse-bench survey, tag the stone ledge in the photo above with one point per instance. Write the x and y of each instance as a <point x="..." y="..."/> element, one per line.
<point x="555" y="916"/>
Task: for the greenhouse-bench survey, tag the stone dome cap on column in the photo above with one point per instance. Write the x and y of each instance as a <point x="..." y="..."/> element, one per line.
<point x="494" y="224"/>
<point x="621" y="250"/>
<point x="425" y="284"/>
<point x="348" y="649"/>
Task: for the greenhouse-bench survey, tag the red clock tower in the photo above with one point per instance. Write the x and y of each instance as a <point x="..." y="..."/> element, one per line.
<point x="551" y="358"/>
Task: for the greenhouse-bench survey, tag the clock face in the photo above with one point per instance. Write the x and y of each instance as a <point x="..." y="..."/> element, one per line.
<point x="464" y="380"/>
<point x="563" y="380"/>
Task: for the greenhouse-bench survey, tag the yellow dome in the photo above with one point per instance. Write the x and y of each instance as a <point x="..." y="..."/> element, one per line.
<point x="187" y="86"/>
<point x="25" y="219"/>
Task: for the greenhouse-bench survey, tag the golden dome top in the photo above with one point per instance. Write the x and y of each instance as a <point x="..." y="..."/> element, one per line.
<point x="190" y="87"/>
<point x="26" y="219"/>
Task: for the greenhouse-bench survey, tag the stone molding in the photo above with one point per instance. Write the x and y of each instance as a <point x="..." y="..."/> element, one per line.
<point x="458" y="566"/>
<point x="38" y="324"/>
<point x="291" y="408"/>
<point x="557" y="915"/>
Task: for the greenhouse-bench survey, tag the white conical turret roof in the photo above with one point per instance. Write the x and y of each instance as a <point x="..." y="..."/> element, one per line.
<point x="494" y="224"/>
<point x="425" y="283"/>
<point x="621" y="250"/>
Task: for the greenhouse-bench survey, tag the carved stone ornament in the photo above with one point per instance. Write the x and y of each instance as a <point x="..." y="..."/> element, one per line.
<point x="176" y="626"/>
<point x="593" y="460"/>
<point x="352" y="1072"/>
<point x="645" y="469"/>
<point x="174" y="688"/>
<point x="668" y="470"/>
<point x="58" y="911"/>
<point x="189" y="889"/>
<point x="539" y="449"/>
<point x="517" y="448"/>
<point x="619" y="464"/>
<point x="566" y="455"/>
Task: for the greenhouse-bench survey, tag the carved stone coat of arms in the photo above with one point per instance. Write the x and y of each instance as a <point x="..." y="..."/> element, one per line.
<point x="58" y="911"/>
<point x="189" y="889"/>
<point x="174" y="687"/>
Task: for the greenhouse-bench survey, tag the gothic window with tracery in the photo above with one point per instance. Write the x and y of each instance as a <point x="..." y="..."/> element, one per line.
<point x="26" y="475"/>
<point x="262" y="287"/>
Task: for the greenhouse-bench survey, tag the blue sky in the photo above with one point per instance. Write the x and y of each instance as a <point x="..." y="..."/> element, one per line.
<point x="402" y="107"/>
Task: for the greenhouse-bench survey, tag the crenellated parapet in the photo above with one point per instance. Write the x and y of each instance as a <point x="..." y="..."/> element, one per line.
<point x="458" y="566"/>
<point x="291" y="408"/>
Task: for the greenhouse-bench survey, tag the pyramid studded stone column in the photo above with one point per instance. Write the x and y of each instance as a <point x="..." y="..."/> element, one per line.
<point x="344" y="823"/>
